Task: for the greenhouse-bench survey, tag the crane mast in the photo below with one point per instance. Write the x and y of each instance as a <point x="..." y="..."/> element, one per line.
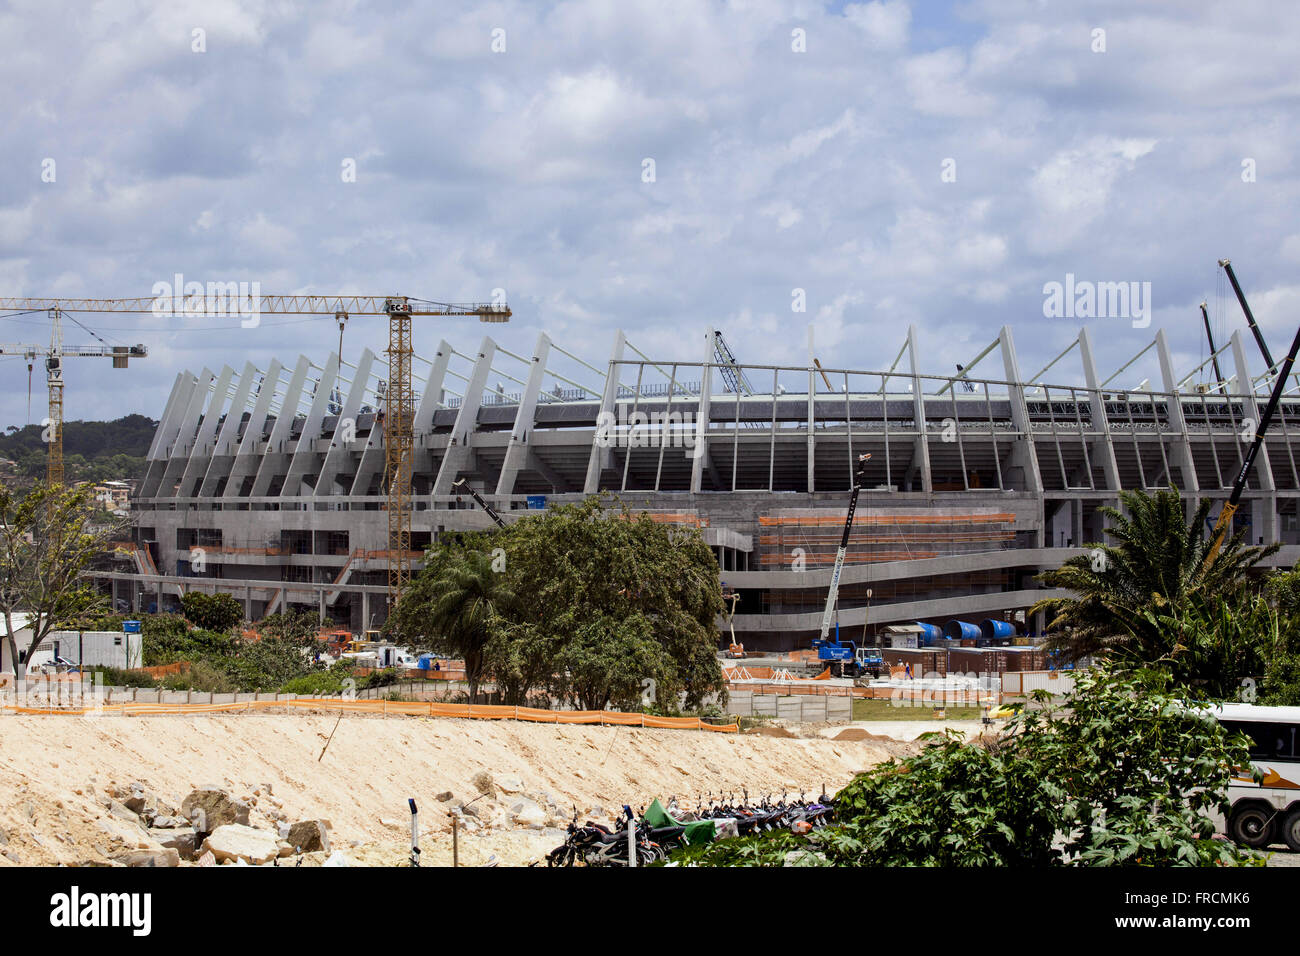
<point x="54" y="355"/>
<point x="399" y="397"/>
<point x="54" y="383"/>
<point x="833" y="594"/>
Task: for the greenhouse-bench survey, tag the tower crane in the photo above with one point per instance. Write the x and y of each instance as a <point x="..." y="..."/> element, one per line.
<point x="399" y="397"/>
<point x="54" y="355"/>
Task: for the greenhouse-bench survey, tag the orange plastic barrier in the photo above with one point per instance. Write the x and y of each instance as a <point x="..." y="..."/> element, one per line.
<point x="409" y="708"/>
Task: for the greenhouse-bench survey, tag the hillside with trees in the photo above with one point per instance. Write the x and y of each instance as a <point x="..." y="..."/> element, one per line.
<point x="92" y="451"/>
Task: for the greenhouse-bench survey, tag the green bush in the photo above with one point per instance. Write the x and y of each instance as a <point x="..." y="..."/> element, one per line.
<point x="295" y="625"/>
<point x="380" y="678"/>
<point x="200" y="676"/>
<point x="117" y="677"/>
<point x="214" y="612"/>
<point x="1128" y="775"/>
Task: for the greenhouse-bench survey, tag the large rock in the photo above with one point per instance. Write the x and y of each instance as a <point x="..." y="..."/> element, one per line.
<point x="234" y="841"/>
<point x="529" y="814"/>
<point x="309" y="836"/>
<point x="509" y="784"/>
<point x="163" y="857"/>
<point x="182" y="841"/>
<point x="218" y="809"/>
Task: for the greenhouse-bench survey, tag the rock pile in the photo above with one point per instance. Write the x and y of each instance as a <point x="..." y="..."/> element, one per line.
<point x="210" y="827"/>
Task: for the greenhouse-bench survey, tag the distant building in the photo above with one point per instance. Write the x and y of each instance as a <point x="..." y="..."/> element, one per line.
<point x="115" y="496"/>
<point x="268" y="484"/>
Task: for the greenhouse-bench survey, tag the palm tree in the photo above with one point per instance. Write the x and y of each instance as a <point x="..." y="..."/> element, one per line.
<point x="1157" y="566"/>
<point x="458" y="605"/>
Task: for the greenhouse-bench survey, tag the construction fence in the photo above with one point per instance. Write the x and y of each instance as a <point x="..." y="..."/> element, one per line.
<point x="802" y="707"/>
<point x="133" y="701"/>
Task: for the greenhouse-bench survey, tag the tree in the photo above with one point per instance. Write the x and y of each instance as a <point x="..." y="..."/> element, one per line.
<point x="616" y="605"/>
<point x="48" y="538"/>
<point x="214" y="612"/>
<point x="296" y="623"/>
<point x="455" y="607"/>
<point x="1126" y="774"/>
<point x="621" y="599"/>
<point x="1157" y="567"/>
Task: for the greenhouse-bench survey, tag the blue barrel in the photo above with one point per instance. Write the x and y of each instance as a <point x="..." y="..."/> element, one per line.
<point x="130" y="627"/>
<point x="997" y="630"/>
<point x="930" y="633"/>
<point x="961" y="630"/>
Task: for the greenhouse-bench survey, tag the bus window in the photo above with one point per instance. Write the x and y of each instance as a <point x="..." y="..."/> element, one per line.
<point x="1268" y="741"/>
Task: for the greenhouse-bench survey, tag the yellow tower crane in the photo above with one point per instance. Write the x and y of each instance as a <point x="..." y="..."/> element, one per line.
<point x="54" y="355"/>
<point x="399" y="399"/>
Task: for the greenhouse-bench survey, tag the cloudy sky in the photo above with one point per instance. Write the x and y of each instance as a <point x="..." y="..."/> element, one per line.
<point x="927" y="163"/>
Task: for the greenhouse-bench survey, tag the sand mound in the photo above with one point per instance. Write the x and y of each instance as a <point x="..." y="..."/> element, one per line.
<point x="57" y="772"/>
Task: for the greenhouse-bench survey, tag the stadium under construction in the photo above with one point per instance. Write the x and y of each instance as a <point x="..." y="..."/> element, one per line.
<point x="267" y="483"/>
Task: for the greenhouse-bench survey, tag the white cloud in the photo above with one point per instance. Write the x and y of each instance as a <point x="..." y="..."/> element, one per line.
<point x="775" y="169"/>
<point x="1073" y="188"/>
<point x="884" y="23"/>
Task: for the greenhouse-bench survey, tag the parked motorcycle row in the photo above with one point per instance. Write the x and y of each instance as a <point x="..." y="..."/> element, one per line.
<point x="593" y="844"/>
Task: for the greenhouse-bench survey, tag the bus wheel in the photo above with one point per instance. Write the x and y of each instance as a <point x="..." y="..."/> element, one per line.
<point x="1251" y="826"/>
<point x="1291" y="829"/>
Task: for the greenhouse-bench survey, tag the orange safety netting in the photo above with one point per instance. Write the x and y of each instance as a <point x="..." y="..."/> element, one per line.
<point x="409" y="708"/>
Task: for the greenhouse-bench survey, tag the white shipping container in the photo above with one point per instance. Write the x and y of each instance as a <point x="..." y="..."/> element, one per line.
<point x="91" y="649"/>
<point x="1026" y="682"/>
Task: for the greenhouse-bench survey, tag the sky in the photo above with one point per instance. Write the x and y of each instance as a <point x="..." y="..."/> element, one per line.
<point x="937" y="164"/>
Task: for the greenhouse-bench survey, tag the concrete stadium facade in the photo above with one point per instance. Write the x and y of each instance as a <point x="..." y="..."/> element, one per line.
<point x="268" y="483"/>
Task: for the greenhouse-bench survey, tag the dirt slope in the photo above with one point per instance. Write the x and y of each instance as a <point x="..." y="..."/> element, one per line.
<point x="56" y="772"/>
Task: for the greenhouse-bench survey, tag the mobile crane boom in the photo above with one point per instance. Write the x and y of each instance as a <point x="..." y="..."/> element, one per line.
<point x="1239" y="484"/>
<point x="463" y="485"/>
<point x="833" y="594"/>
<point x="1266" y="418"/>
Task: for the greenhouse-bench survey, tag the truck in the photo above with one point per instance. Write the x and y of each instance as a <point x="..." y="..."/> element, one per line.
<point x="846" y="659"/>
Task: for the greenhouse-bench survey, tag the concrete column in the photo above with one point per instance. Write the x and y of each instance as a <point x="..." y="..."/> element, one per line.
<point x="274" y="456"/>
<point x="338" y="451"/>
<point x="177" y="399"/>
<point x="163" y="437"/>
<point x="1105" y="448"/>
<point x="187" y="425"/>
<point x="812" y="415"/>
<point x="429" y="398"/>
<point x="701" y="449"/>
<point x="601" y="456"/>
<point x="304" y="455"/>
<point x="248" y="456"/>
<point x="1024" y="455"/>
<point x="227" y="439"/>
<point x="459" y="451"/>
<point x="200" y="455"/>
<point x="516" y="451"/>
<point x="921" y="453"/>
<point x="1183" y="444"/>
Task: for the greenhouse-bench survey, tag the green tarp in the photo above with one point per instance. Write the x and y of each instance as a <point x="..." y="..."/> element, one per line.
<point x="697" y="831"/>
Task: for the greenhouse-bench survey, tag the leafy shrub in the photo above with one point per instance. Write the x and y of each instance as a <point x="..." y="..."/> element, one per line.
<point x="296" y="625"/>
<point x="1128" y="775"/>
<point x="214" y="612"/>
<point x="200" y="676"/>
<point x="117" y="677"/>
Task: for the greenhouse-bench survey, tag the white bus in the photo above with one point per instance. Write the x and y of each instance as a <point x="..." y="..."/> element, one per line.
<point x="1269" y="811"/>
